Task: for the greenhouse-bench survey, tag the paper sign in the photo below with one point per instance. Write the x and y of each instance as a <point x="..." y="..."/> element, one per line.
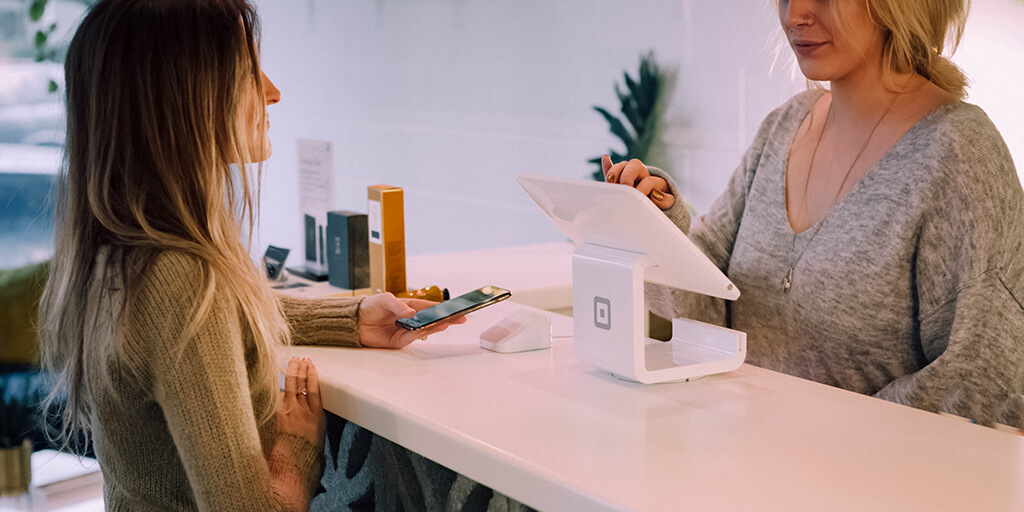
<point x="316" y="198"/>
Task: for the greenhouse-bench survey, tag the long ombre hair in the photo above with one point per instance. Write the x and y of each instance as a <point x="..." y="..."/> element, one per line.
<point x="160" y="110"/>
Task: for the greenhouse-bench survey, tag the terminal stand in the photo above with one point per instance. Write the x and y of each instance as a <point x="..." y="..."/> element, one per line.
<point x="609" y="316"/>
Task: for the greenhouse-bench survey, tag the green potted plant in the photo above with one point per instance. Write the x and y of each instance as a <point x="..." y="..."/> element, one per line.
<point x="19" y="399"/>
<point x="639" y="105"/>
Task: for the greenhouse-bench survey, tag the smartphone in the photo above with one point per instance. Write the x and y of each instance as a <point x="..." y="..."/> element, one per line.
<point x="454" y="308"/>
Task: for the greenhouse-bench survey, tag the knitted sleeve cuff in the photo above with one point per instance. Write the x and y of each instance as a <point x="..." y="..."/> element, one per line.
<point x="332" y="322"/>
<point x="305" y="459"/>
<point x="678" y="213"/>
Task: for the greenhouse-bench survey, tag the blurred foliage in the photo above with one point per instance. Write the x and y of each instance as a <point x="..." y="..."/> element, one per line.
<point x="44" y="52"/>
<point x="637" y="104"/>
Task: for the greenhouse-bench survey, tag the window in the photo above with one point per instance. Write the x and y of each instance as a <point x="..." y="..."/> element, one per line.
<point x="31" y="123"/>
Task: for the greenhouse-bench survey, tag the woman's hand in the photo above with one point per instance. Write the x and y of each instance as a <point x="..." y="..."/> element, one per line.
<point x="635" y="174"/>
<point x="300" y="410"/>
<point x="377" y="316"/>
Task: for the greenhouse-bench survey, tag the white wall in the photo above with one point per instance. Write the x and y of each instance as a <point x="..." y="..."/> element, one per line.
<point x="992" y="55"/>
<point x="450" y="99"/>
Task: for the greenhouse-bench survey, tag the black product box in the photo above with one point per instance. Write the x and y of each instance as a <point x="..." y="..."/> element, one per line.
<point x="348" y="250"/>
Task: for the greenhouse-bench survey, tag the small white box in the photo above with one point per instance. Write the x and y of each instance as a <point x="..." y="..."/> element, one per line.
<point x="519" y="332"/>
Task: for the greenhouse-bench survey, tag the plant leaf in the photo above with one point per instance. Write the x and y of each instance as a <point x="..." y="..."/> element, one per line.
<point x="637" y="105"/>
<point x="617" y="128"/>
<point x="642" y="101"/>
<point x="650" y="87"/>
<point x="40" y="38"/>
<point x="648" y="84"/>
<point x="629" y="110"/>
<point x="648" y="68"/>
<point x="642" y="147"/>
<point x="36" y="8"/>
<point x="53" y="86"/>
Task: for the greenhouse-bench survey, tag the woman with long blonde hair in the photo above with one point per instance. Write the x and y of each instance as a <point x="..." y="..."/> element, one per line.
<point x="160" y="329"/>
<point x="876" y="226"/>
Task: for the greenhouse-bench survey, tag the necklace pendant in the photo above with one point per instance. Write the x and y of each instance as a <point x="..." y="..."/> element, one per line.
<point x="787" y="281"/>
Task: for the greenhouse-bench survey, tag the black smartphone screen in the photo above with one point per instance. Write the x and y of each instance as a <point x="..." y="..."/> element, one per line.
<point x="460" y="305"/>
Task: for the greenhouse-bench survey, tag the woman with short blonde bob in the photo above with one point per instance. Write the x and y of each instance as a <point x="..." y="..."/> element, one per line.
<point x="160" y="328"/>
<point x="876" y="226"/>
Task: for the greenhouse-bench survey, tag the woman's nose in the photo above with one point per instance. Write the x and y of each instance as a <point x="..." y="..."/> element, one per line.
<point x="799" y="12"/>
<point x="270" y="91"/>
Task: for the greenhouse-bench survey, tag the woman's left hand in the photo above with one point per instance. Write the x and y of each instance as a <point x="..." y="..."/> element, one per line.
<point x="377" y="316"/>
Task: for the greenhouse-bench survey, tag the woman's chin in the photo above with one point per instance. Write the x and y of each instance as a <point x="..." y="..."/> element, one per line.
<point x="261" y="155"/>
<point x="815" y="72"/>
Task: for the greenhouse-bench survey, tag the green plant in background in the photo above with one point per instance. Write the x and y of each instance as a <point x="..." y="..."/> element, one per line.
<point x="638" y="105"/>
<point x="43" y="51"/>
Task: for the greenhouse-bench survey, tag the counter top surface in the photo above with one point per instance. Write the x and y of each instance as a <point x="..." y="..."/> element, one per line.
<point x="559" y="434"/>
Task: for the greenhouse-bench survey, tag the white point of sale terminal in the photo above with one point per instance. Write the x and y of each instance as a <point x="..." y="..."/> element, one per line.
<point x="622" y="240"/>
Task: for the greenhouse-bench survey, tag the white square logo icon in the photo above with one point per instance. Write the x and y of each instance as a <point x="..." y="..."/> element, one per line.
<point x="602" y="313"/>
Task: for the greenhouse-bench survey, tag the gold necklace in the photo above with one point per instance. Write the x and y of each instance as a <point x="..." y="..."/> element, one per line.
<point x="787" y="281"/>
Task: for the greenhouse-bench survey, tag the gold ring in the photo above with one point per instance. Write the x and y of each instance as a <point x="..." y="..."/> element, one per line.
<point x="302" y="391"/>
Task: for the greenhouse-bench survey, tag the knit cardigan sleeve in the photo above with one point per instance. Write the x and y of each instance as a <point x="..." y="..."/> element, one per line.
<point x="333" y="322"/>
<point x="201" y="384"/>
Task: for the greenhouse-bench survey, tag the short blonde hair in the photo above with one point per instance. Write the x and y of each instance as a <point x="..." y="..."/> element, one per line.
<point x="917" y="34"/>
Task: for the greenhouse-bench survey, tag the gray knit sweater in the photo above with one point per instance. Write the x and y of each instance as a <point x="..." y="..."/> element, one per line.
<point x="912" y="290"/>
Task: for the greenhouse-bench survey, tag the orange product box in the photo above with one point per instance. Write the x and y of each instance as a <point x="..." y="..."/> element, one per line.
<point x="386" y="225"/>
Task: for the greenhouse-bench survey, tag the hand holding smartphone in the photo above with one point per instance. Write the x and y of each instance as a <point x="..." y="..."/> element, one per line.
<point x="453" y="308"/>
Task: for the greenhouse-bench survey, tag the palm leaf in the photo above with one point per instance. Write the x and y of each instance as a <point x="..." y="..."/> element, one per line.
<point x="617" y="128"/>
<point x="637" y="104"/>
<point x="630" y="110"/>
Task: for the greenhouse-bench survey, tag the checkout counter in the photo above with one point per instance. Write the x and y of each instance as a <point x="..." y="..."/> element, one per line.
<point x="558" y="434"/>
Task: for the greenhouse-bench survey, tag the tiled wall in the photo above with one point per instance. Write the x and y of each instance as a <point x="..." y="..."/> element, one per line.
<point x="452" y="98"/>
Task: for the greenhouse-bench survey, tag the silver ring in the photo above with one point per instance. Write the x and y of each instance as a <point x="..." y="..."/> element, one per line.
<point x="303" y="392"/>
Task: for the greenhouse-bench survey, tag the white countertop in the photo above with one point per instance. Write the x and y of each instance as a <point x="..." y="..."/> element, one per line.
<point x="560" y="435"/>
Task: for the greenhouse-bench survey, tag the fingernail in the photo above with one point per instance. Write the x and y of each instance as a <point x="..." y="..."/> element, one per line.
<point x="657" y="195"/>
